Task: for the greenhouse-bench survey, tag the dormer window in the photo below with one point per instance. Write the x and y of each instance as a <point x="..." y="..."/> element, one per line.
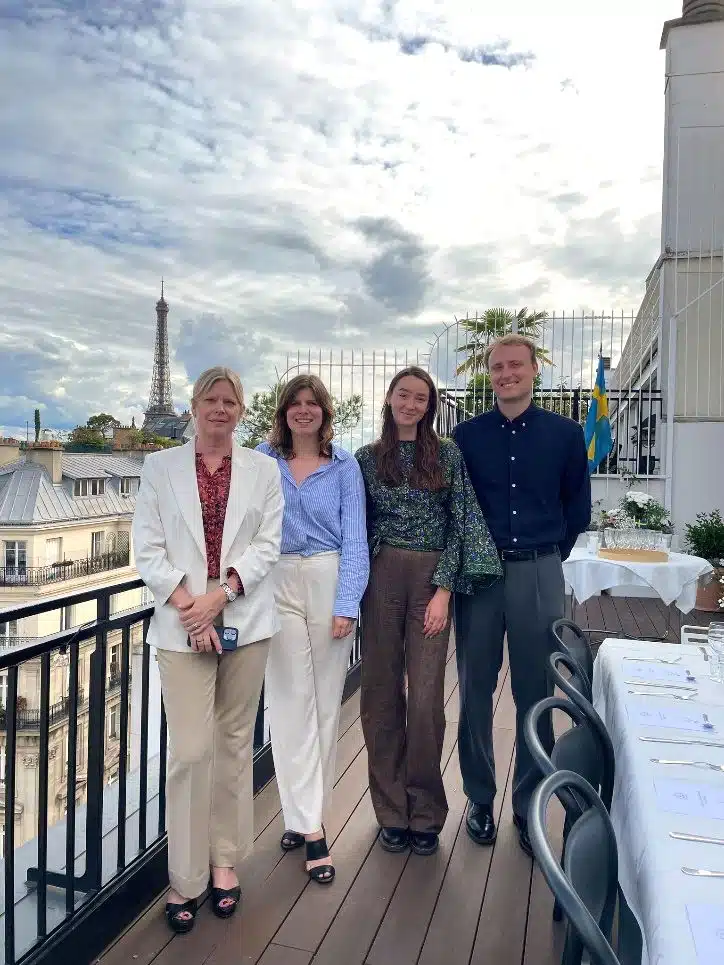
<point x="125" y="485"/>
<point x="89" y="487"/>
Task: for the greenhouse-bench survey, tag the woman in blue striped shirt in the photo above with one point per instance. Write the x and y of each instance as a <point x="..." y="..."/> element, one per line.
<point x="320" y="580"/>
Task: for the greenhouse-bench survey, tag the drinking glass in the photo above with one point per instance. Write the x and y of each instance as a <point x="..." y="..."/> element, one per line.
<point x="715" y="640"/>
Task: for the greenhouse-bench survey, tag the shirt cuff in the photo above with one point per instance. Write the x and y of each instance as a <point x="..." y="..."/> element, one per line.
<point x="232" y="572"/>
<point x="343" y="609"/>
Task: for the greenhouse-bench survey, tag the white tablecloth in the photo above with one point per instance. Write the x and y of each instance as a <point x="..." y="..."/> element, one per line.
<point x="674" y="581"/>
<point x="650" y="861"/>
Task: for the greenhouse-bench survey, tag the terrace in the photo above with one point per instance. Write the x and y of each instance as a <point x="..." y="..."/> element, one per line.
<point x="464" y="905"/>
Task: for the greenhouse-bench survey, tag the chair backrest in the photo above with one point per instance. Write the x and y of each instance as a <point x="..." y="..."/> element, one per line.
<point x="585" y="748"/>
<point x="577" y="682"/>
<point x="572" y="640"/>
<point x="586" y="886"/>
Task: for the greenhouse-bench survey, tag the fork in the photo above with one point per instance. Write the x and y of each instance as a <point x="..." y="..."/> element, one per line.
<point x="649" y="693"/>
<point x="712" y="767"/>
<point x="703" y="873"/>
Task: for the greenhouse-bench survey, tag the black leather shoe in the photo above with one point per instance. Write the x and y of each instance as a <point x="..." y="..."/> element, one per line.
<point x="480" y="824"/>
<point x="424" y="842"/>
<point x="523" y="839"/>
<point x="394" y="839"/>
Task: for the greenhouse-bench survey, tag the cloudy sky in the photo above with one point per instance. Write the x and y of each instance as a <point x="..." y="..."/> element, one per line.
<point x="308" y="173"/>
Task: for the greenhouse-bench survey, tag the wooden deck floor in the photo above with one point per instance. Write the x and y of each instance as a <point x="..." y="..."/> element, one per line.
<point x="466" y="905"/>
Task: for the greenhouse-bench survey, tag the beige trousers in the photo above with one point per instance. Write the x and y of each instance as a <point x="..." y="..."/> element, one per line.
<point x="211" y="703"/>
<point x="304" y="683"/>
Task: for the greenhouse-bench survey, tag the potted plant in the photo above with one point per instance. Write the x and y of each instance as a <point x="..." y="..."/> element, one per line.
<point x="705" y="538"/>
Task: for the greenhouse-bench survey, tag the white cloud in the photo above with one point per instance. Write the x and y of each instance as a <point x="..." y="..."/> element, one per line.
<point x="313" y="173"/>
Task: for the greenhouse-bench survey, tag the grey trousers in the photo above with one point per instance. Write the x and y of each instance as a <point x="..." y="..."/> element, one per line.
<point x="522" y="605"/>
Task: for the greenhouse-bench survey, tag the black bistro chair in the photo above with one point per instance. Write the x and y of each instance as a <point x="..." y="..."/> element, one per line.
<point x="571" y="639"/>
<point x="584" y="748"/>
<point x="575" y="682"/>
<point x="586" y="886"/>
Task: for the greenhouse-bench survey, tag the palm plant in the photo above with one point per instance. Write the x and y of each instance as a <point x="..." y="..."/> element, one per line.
<point x="493" y="323"/>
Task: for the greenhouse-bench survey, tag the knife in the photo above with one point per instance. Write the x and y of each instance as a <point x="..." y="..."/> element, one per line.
<point x="645" y="683"/>
<point x="712" y="767"/>
<point x="681" y="740"/>
<point x="701" y="838"/>
<point x="655" y="659"/>
<point x="703" y="873"/>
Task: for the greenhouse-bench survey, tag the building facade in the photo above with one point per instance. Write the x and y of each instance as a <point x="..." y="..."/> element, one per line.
<point x="65" y="526"/>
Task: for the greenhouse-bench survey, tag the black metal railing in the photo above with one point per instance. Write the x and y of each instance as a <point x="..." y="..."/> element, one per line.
<point x="106" y="858"/>
<point x="57" y="572"/>
<point x="634" y="414"/>
<point x="31" y="719"/>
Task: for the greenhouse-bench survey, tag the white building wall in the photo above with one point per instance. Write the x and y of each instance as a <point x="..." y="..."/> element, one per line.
<point x="693" y="270"/>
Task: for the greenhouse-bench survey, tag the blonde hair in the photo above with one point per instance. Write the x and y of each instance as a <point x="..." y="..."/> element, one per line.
<point x="512" y="338"/>
<point x="215" y="374"/>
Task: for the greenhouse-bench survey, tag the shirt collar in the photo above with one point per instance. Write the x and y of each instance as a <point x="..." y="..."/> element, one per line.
<point x="530" y="413"/>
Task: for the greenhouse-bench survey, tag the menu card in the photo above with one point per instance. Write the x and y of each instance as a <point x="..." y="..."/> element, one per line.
<point x="654" y="712"/>
<point x="707" y="927"/>
<point x="696" y="800"/>
<point x="656" y="673"/>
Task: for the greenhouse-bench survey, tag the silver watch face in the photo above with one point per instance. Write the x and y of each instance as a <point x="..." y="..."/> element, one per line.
<point x="230" y="595"/>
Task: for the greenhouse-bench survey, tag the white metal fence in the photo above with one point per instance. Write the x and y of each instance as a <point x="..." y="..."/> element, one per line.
<point x="569" y="345"/>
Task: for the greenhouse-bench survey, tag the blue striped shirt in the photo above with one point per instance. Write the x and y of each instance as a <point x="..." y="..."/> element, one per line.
<point x="328" y="513"/>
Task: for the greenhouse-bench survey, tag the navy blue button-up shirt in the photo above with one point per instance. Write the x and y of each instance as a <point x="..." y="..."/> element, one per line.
<point x="530" y="475"/>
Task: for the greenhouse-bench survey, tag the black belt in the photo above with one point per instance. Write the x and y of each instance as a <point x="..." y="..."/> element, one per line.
<point x="518" y="556"/>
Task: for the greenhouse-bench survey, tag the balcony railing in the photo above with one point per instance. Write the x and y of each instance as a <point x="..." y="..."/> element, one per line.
<point x="105" y="860"/>
<point x="31" y="718"/>
<point x="57" y="572"/>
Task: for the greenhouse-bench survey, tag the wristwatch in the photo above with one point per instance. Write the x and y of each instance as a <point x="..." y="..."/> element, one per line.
<point x="230" y="594"/>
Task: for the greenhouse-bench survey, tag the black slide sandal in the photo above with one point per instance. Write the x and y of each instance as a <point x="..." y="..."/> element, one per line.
<point x="182" y="926"/>
<point x="323" y="874"/>
<point x="291" y="840"/>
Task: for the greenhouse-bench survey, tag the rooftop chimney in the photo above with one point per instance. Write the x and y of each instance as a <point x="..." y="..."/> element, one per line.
<point x="9" y="451"/>
<point x="706" y="9"/>
<point x="693" y="12"/>
<point x="49" y="455"/>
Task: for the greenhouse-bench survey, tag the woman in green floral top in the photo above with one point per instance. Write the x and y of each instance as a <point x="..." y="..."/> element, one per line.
<point x="428" y="539"/>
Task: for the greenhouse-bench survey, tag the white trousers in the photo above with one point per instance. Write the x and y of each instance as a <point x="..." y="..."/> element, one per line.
<point x="305" y="678"/>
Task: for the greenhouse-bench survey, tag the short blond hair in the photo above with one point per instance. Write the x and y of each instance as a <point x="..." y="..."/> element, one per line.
<point x="217" y="373"/>
<point x="512" y="338"/>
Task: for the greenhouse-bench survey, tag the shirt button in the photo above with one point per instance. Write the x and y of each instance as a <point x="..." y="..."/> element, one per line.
<point x="524" y="425"/>
<point x="513" y="431"/>
<point x="515" y="539"/>
<point x="513" y="485"/>
<point x="515" y="512"/>
<point x="512" y="458"/>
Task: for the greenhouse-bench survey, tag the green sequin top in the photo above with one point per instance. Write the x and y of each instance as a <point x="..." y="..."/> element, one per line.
<point x="449" y="520"/>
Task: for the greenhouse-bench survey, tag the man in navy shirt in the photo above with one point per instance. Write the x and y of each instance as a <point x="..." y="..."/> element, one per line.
<point x="529" y="469"/>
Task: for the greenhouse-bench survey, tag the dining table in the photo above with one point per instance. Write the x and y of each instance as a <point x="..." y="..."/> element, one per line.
<point x="665" y="716"/>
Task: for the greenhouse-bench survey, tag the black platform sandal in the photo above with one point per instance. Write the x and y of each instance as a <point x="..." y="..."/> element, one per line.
<point x="175" y="912"/>
<point x="291" y="840"/>
<point x="323" y="874"/>
<point x="219" y="895"/>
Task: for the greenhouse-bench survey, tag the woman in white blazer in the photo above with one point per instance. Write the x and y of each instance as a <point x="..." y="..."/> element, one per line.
<point x="207" y="533"/>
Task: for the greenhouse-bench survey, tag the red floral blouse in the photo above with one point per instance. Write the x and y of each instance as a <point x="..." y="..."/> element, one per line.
<point x="214" y="496"/>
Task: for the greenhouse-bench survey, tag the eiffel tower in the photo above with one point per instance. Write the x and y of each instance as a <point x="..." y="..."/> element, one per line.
<point x="160" y="402"/>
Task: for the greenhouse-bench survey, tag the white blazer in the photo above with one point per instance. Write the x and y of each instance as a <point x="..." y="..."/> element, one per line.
<point x="169" y="545"/>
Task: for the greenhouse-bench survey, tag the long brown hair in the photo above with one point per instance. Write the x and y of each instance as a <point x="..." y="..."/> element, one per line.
<point x="280" y="437"/>
<point x="426" y="470"/>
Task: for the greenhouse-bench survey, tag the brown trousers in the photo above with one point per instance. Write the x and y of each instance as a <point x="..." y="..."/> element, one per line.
<point x="403" y="734"/>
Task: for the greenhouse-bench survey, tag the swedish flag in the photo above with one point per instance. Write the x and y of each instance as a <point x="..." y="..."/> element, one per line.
<point x="597" y="431"/>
